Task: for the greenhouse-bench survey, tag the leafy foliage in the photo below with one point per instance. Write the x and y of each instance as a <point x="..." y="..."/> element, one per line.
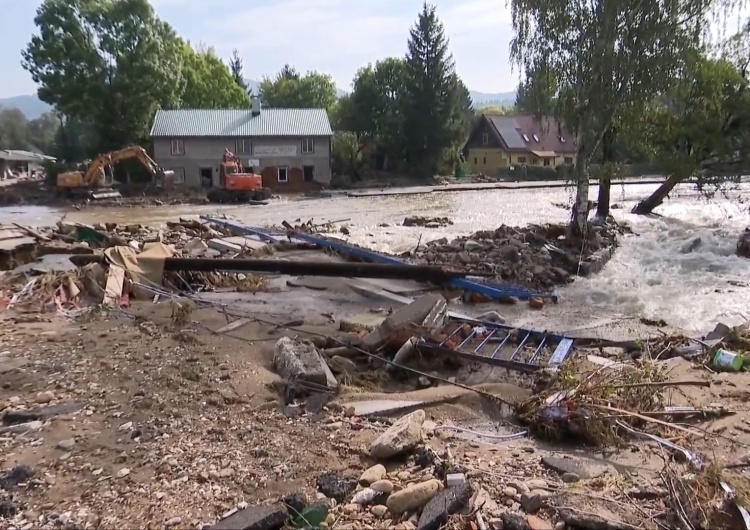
<point x="209" y="84"/>
<point x="235" y="67"/>
<point x="16" y="132"/>
<point x="291" y="90"/>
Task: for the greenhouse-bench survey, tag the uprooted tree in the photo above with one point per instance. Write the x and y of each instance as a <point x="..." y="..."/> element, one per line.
<point x="700" y="128"/>
<point x="606" y="55"/>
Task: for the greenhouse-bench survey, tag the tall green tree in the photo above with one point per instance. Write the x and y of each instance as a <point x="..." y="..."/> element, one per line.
<point x="702" y="126"/>
<point x="605" y="55"/>
<point x="108" y="64"/>
<point x="14" y="131"/>
<point x="291" y="90"/>
<point x="209" y="82"/>
<point x="536" y="93"/>
<point x="42" y="131"/>
<point x="430" y="95"/>
<point x="235" y="66"/>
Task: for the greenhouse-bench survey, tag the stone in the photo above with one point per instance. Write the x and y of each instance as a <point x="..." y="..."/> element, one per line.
<point x="535" y="523"/>
<point x="44" y="397"/>
<point x="296" y="360"/>
<point x="382" y="486"/>
<point x="124" y="472"/>
<point x="470" y="245"/>
<point x="373" y="474"/>
<point x="379" y="510"/>
<point x="402" y="436"/>
<point x="336" y="485"/>
<point x="174" y="521"/>
<point x="261" y="517"/>
<point x="496" y="523"/>
<point x="443" y="505"/>
<point x="536" y="484"/>
<point x="413" y="497"/>
<point x="296" y="502"/>
<point x="570" y="477"/>
<point x="531" y="502"/>
<point x="509" y="491"/>
<point x="342" y="365"/>
<point x="585" y="468"/>
<point x="513" y="521"/>
<point x="22" y="428"/>
<point x="66" y="445"/>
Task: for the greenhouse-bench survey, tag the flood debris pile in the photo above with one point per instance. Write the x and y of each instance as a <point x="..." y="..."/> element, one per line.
<point x="427" y="222"/>
<point x="537" y="256"/>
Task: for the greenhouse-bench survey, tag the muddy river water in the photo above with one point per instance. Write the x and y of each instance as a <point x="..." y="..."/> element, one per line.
<point x="653" y="274"/>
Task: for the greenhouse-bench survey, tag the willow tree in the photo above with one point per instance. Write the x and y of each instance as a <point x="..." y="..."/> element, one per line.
<point x="605" y="56"/>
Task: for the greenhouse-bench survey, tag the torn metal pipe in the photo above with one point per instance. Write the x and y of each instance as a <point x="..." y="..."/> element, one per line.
<point x="431" y="273"/>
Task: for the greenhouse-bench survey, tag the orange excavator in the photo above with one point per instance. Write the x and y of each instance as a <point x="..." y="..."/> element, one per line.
<point x="236" y="186"/>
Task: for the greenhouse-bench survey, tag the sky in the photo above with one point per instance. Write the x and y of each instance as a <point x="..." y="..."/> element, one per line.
<point x="332" y="36"/>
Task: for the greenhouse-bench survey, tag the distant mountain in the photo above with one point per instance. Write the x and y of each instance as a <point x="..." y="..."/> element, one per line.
<point x="33" y="107"/>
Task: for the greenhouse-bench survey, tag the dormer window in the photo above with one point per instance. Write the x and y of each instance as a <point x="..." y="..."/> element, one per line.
<point x="526" y="138"/>
<point x="485" y="138"/>
<point x="536" y="138"/>
<point x="562" y="139"/>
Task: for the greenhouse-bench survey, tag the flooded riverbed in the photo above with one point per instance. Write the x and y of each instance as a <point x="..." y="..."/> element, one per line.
<point x="653" y="274"/>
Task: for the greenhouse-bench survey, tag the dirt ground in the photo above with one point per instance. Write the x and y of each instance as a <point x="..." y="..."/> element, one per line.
<point x="177" y="426"/>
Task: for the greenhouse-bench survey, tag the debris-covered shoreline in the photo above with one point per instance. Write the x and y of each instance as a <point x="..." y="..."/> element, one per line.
<point x="137" y="394"/>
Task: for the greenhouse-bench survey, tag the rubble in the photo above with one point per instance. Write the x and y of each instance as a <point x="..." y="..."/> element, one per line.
<point x="539" y="257"/>
<point x="402" y="436"/>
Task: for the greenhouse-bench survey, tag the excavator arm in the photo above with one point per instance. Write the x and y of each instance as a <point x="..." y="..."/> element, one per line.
<point x="96" y="169"/>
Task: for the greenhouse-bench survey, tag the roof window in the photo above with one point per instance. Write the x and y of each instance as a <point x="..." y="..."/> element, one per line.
<point x="525" y="137"/>
<point x="536" y="138"/>
<point x="562" y="139"/>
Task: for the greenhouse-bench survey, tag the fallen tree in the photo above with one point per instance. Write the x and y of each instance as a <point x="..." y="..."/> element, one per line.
<point x="700" y="128"/>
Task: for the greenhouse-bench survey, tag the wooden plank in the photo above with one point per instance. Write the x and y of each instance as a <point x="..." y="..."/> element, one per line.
<point x="233" y="325"/>
<point x="113" y="288"/>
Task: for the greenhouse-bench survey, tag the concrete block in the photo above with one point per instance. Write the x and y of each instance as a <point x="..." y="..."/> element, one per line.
<point x="300" y="361"/>
<point x="223" y="246"/>
<point x="455" y="479"/>
<point x="428" y="311"/>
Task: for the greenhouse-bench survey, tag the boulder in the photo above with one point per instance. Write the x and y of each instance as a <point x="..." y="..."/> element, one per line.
<point x="402" y="436"/>
<point x="443" y="505"/>
<point x="372" y="475"/>
<point x="254" y="518"/>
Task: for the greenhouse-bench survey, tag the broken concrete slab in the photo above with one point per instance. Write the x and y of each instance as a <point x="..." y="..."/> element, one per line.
<point x="428" y="311"/>
<point x="8" y="364"/>
<point x="254" y="518"/>
<point x="381" y="406"/>
<point x="300" y="362"/>
<point x="367" y="321"/>
<point x="585" y="468"/>
<point x="443" y="505"/>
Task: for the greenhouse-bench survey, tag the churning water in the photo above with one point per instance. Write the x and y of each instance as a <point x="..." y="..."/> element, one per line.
<point x="680" y="267"/>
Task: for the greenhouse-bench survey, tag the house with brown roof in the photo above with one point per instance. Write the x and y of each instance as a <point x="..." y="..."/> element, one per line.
<point x="499" y="142"/>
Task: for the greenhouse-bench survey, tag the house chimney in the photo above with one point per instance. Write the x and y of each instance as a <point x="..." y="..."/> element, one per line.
<point x="256" y="105"/>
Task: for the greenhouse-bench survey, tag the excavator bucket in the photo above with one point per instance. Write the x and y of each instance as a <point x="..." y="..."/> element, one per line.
<point x="165" y="177"/>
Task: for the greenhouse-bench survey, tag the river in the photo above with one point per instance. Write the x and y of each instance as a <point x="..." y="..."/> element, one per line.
<point x="652" y="275"/>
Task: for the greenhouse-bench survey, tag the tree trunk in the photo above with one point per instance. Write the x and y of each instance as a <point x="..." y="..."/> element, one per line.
<point x="580" y="213"/>
<point x="604" y="199"/>
<point x="647" y="205"/>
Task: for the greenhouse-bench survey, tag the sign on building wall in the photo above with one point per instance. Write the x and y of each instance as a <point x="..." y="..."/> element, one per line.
<point x="275" y="150"/>
<point x="253" y="162"/>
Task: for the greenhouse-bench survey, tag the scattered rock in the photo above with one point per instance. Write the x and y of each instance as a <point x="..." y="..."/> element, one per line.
<point x="296" y="360"/>
<point x="379" y="510"/>
<point x="15" y="476"/>
<point x="296" y="502"/>
<point x="124" y="472"/>
<point x="402" y="436"/>
<point x="570" y="477"/>
<point x="336" y="485"/>
<point x="535" y="523"/>
<point x="261" y="517"/>
<point x="513" y="521"/>
<point x="532" y="502"/>
<point x="382" y="486"/>
<point x="443" y="505"/>
<point x="584" y="468"/>
<point x="413" y="497"/>
<point x="373" y="474"/>
<point x="67" y="444"/>
<point x="44" y="397"/>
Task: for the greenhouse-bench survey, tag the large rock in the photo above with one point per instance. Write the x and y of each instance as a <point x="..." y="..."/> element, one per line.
<point x="336" y="485"/>
<point x="402" y="436"/>
<point x="300" y="361"/>
<point x="743" y="244"/>
<point x="443" y="505"/>
<point x="254" y="518"/>
<point x="413" y="497"/>
<point x="373" y="474"/>
<point x="585" y="468"/>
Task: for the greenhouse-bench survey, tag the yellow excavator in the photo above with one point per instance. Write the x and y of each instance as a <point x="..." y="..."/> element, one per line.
<point x="96" y="181"/>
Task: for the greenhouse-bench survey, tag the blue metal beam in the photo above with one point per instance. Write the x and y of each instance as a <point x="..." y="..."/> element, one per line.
<point x="239" y="228"/>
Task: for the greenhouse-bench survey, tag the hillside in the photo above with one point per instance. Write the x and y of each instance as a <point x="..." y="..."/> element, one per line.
<point x="32" y="107"/>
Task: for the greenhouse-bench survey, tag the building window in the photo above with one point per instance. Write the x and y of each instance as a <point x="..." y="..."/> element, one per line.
<point x="243" y="147"/>
<point x="178" y="147"/>
<point x="521" y="159"/>
<point x="484" y="160"/>
<point x="536" y="138"/>
<point x="475" y="161"/>
<point x="526" y="138"/>
<point x="546" y="162"/>
<point x="485" y="139"/>
<point x="179" y="175"/>
<point x="308" y="145"/>
<point x="283" y="174"/>
<point x="534" y="161"/>
<point x="568" y="159"/>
